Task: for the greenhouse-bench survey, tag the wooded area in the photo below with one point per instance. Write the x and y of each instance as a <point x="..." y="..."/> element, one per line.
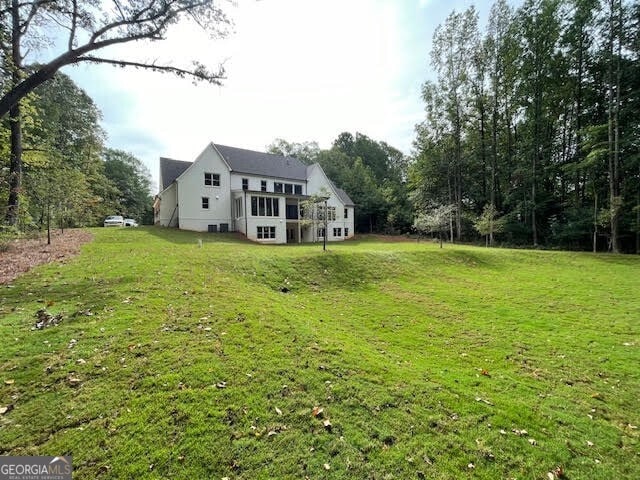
<point x="536" y="116"/>
<point x="530" y="136"/>
<point x="70" y="178"/>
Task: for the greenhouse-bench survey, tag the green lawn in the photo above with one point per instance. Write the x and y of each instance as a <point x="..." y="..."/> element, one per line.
<point x="442" y="364"/>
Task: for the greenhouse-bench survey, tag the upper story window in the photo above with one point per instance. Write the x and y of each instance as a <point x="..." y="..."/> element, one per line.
<point x="288" y="188"/>
<point x="297" y="189"/>
<point x="263" y="185"/>
<point x="211" y="179"/>
<point x="245" y="184"/>
<point x="265" y="206"/>
<point x="205" y="202"/>
<point x="277" y="187"/>
<point x="346" y="213"/>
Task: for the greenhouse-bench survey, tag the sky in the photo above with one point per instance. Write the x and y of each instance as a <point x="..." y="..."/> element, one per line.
<point x="301" y="70"/>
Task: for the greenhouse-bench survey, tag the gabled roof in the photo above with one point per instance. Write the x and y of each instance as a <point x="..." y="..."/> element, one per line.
<point x="170" y="170"/>
<point x="344" y="197"/>
<point x="266" y="164"/>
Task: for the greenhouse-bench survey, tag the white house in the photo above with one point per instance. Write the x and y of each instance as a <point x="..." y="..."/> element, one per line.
<point x="262" y="195"/>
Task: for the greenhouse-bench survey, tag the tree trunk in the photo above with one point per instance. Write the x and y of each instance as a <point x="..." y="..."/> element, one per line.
<point x="15" y="123"/>
<point x="595" y="222"/>
<point x="15" y="166"/>
<point x="613" y="129"/>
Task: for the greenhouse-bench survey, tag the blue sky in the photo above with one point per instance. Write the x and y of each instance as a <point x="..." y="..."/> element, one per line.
<point x="302" y="70"/>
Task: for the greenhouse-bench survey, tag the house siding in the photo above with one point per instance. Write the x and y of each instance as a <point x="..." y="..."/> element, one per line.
<point x="191" y="190"/>
<point x="168" y="211"/>
<point x="317" y="181"/>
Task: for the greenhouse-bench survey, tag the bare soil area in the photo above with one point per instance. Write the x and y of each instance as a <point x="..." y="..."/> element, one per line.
<point x="23" y="255"/>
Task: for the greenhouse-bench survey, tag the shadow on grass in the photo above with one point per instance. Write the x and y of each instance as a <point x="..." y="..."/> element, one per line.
<point x="175" y="235"/>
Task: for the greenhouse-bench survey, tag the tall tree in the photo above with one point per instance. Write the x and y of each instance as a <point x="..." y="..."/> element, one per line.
<point x="132" y="179"/>
<point x="88" y="29"/>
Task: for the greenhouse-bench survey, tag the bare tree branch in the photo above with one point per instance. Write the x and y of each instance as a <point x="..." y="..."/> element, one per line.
<point x="129" y="21"/>
<point x="197" y="73"/>
<point x="74" y="20"/>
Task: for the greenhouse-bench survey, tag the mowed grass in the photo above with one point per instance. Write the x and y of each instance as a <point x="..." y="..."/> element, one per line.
<point x="433" y="363"/>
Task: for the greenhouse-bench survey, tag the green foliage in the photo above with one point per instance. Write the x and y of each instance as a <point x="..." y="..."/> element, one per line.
<point x="133" y="182"/>
<point x="424" y="360"/>
<point x="372" y="173"/>
<point x="489" y="223"/>
<point x="524" y="115"/>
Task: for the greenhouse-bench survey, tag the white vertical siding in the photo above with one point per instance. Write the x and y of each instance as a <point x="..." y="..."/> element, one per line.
<point x="191" y="189"/>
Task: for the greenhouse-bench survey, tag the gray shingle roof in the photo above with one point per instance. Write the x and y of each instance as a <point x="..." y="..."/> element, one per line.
<point x="258" y="163"/>
<point x="170" y="170"/>
<point x="346" y="199"/>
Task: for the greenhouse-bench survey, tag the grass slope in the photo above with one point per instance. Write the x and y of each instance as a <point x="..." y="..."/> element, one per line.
<point x="428" y="363"/>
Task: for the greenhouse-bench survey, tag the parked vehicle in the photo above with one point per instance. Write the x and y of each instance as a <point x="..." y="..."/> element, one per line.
<point x="114" y="221"/>
<point x="130" y="222"/>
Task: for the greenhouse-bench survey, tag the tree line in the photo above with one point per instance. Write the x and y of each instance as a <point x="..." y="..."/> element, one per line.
<point x="70" y="178"/>
<point x="532" y="123"/>
<point x="373" y="173"/>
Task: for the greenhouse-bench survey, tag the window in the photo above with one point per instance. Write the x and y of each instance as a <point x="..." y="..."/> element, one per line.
<point x="337" y="232"/>
<point x="211" y="180"/>
<point x="245" y="184"/>
<point x="346" y="232"/>
<point x="321" y="232"/>
<point x="346" y="214"/>
<point x="277" y="187"/>
<point x="288" y="188"/>
<point x="263" y="185"/>
<point x="331" y="213"/>
<point x="238" y="207"/>
<point x="266" y="232"/>
<point x="265" y="207"/>
<point x="205" y="202"/>
<point x="297" y="189"/>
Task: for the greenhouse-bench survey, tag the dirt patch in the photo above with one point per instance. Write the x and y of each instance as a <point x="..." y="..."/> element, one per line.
<point x="22" y="255"/>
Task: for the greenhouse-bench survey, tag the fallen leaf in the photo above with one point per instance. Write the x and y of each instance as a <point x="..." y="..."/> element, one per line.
<point x="9" y="382"/>
<point x="533" y="442"/>
<point x="271" y="433"/>
<point x="471" y="465"/>
<point x="327" y="466"/>
<point x="327" y="425"/>
<point x="278" y="411"/>
<point x="589" y="444"/>
<point x="317" y="411"/>
<point x="221" y="385"/>
<point x="6" y="409"/>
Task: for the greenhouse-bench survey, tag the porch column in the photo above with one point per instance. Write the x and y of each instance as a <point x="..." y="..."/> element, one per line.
<point x="299" y="227"/>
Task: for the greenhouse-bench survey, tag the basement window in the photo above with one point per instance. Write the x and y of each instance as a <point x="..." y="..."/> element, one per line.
<point x="266" y="233"/>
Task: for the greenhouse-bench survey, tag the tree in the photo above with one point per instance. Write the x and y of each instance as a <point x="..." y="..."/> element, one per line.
<point x="314" y="213"/>
<point x="489" y="223"/>
<point x="87" y="29"/>
<point x="435" y="219"/>
<point x="132" y="180"/>
<point x="306" y="152"/>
